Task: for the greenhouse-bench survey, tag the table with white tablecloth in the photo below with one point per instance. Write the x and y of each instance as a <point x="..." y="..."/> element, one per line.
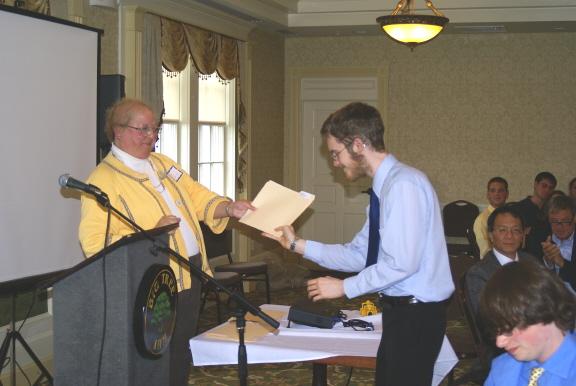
<point x="219" y="346"/>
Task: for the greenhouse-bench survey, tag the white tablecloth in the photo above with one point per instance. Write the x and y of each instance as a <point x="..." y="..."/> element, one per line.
<point x="302" y="343"/>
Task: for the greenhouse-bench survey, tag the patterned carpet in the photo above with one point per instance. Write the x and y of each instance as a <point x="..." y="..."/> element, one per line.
<point x="292" y="374"/>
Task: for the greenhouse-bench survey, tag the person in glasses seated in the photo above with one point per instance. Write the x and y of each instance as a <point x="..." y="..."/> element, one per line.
<point x="559" y="248"/>
<point x="506" y="233"/>
<point x="400" y="252"/>
<point x="531" y="314"/>
<point x="154" y="191"/>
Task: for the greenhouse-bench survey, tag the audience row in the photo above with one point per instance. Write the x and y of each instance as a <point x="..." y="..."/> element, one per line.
<point x="536" y="230"/>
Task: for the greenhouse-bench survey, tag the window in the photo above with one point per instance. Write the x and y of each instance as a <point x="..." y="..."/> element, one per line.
<point x="208" y="104"/>
<point x="174" y="140"/>
<point x="216" y="148"/>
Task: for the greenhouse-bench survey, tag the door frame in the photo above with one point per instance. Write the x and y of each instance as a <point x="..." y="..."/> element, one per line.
<point x="293" y="112"/>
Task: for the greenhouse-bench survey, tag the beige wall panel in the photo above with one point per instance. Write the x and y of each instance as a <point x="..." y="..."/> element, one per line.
<point x="467" y="107"/>
<point x="266" y="132"/>
<point x="107" y="20"/>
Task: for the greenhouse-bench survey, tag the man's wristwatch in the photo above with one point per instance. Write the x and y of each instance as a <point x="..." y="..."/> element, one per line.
<point x="293" y="244"/>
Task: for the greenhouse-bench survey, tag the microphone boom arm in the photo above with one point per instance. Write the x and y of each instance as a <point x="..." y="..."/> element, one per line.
<point x="240" y="300"/>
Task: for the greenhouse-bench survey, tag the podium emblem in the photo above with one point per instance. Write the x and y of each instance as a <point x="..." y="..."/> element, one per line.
<point x="155" y="310"/>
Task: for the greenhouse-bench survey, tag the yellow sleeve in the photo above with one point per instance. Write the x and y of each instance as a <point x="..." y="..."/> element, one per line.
<point x="205" y="203"/>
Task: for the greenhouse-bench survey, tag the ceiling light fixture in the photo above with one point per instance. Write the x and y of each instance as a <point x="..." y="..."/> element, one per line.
<point x="410" y="29"/>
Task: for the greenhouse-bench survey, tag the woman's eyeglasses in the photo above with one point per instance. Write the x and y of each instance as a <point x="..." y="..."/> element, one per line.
<point x="146" y="130"/>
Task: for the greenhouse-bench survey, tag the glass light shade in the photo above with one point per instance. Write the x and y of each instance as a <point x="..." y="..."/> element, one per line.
<point x="412" y="33"/>
<point x="412" y="30"/>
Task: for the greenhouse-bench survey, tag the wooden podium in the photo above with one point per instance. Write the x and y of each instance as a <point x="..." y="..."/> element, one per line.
<point x="96" y="319"/>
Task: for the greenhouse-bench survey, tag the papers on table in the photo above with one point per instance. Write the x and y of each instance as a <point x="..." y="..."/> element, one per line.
<point x="276" y="205"/>
<point x="255" y="328"/>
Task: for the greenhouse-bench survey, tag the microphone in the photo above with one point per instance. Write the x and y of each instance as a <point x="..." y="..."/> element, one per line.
<point x="66" y="181"/>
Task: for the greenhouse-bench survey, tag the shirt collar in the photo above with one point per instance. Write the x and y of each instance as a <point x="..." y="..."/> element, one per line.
<point x="559" y="242"/>
<point x="382" y="173"/>
<point x="136" y="164"/>
<point x="503" y="260"/>
<point x="559" y="363"/>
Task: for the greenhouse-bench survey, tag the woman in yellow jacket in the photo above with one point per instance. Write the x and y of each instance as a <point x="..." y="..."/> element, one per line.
<point x="152" y="190"/>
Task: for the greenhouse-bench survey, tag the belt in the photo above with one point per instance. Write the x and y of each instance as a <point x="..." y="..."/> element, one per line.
<point x="396" y="301"/>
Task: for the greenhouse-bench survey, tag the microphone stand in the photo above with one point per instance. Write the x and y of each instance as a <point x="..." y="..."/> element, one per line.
<point x="241" y="302"/>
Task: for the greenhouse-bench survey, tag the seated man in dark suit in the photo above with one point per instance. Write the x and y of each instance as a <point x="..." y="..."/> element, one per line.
<point x="559" y="248"/>
<point x="506" y="232"/>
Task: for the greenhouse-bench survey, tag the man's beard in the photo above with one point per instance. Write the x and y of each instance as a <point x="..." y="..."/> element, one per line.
<point x="358" y="169"/>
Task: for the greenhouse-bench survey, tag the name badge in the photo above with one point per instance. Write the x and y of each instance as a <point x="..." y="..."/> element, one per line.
<point x="174" y="173"/>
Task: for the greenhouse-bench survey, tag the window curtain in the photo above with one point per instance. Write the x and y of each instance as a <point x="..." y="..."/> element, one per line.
<point x="151" y="63"/>
<point x="39" y="6"/>
<point x="210" y="52"/>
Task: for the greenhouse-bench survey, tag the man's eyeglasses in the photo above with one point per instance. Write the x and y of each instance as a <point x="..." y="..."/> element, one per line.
<point x="146" y="130"/>
<point x="335" y="154"/>
<point x="358" y="325"/>
<point x="565" y="223"/>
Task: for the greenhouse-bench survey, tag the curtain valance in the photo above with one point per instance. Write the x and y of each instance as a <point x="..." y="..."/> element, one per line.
<point x="209" y="50"/>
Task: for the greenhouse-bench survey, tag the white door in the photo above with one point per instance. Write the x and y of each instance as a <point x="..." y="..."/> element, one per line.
<point x="339" y="209"/>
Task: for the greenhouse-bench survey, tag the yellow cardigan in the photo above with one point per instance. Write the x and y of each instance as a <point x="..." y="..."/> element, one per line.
<point x="133" y="194"/>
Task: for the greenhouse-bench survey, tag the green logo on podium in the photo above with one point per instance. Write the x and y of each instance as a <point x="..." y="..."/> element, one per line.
<point x="155" y="310"/>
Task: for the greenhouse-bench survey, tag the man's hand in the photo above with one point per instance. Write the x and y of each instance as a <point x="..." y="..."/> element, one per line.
<point x="552" y="252"/>
<point x="325" y="288"/>
<point x="288" y="234"/>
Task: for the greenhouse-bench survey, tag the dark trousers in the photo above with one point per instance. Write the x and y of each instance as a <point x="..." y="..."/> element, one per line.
<point x="187" y="314"/>
<point x="412" y="336"/>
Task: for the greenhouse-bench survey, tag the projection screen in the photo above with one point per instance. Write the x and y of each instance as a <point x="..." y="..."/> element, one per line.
<point x="48" y="107"/>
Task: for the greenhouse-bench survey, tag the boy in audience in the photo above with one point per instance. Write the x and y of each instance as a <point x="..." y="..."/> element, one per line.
<point x="559" y="248"/>
<point x="497" y="194"/>
<point x="532" y="314"/>
<point x="533" y="215"/>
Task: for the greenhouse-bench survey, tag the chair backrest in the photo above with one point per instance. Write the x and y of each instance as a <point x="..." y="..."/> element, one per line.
<point x="464" y="343"/>
<point x="458" y="216"/>
<point x="217" y="244"/>
<point x="469" y="313"/>
<point x="474" y="248"/>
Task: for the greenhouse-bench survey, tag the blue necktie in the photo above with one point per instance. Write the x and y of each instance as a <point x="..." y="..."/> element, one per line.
<point x="373" y="227"/>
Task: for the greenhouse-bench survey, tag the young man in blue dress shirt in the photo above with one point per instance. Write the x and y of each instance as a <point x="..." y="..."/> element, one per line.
<point x="408" y="266"/>
<point x="532" y="314"/>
